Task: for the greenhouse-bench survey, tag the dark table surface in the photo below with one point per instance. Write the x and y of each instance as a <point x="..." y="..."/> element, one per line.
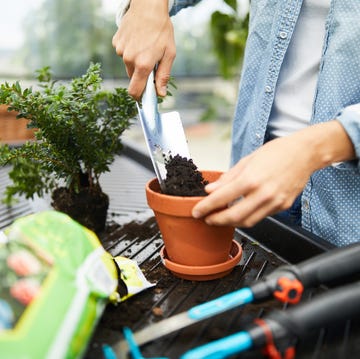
<point x="132" y="231"/>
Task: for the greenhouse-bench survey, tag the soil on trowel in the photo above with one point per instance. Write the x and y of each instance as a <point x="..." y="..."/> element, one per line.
<point x="183" y="178"/>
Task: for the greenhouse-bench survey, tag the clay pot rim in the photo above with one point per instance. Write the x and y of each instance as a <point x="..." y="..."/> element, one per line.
<point x="175" y="205"/>
<point x="156" y="191"/>
<point x="202" y="273"/>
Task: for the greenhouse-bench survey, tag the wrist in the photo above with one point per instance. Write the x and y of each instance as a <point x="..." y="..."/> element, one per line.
<point x="327" y="143"/>
<point x="124" y="5"/>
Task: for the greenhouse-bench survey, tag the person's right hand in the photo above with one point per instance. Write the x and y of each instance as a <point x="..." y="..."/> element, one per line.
<point x="145" y="38"/>
<point x="269" y="179"/>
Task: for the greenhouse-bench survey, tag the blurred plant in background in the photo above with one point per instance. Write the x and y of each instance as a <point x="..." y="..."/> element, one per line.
<point x="68" y="35"/>
<point x="229" y="33"/>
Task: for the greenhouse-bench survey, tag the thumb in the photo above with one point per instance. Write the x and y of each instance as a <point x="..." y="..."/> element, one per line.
<point x="162" y="75"/>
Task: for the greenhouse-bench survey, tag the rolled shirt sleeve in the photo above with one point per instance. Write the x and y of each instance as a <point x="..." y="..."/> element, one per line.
<point x="349" y="117"/>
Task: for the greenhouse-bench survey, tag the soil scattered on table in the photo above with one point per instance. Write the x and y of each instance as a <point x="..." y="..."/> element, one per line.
<point x="183" y="178"/>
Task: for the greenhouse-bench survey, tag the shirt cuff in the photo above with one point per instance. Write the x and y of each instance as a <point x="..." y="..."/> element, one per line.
<point x="123" y="6"/>
<point x="350" y="120"/>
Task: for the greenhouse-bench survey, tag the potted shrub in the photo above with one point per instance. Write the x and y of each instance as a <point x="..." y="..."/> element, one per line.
<point x="192" y="249"/>
<point x="78" y="133"/>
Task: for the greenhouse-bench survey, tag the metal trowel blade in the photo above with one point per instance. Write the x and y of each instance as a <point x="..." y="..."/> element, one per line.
<point x="164" y="133"/>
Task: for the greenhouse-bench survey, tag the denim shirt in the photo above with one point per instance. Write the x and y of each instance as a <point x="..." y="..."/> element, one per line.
<point x="331" y="198"/>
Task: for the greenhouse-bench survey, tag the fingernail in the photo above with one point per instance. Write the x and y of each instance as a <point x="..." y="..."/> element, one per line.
<point x="196" y="214"/>
<point x="211" y="186"/>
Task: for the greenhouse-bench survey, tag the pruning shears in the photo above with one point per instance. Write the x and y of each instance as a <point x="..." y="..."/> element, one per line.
<point x="277" y="332"/>
<point x="286" y="284"/>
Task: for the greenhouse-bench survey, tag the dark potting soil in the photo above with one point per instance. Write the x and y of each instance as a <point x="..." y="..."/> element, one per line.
<point x="183" y="178"/>
<point x="88" y="207"/>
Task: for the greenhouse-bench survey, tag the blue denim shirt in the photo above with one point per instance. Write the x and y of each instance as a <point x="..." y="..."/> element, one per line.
<point x="331" y="199"/>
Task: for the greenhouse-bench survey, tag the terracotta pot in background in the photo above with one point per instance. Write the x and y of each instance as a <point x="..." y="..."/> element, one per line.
<point x="12" y="130"/>
<point x="191" y="243"/>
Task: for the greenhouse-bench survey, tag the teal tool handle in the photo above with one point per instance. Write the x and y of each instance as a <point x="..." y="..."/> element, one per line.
<point x="221" y="348"/>
<point x="221" y="304"/>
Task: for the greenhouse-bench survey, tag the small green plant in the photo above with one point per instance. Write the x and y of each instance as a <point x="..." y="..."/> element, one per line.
<point x="78" y="132"/>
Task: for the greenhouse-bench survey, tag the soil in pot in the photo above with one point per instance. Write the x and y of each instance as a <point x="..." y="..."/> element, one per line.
<point x="183" y="178"/>
<point x="88" y="207"/>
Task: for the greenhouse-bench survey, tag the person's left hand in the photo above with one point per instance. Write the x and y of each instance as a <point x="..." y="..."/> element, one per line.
<point x="263" y="183"/>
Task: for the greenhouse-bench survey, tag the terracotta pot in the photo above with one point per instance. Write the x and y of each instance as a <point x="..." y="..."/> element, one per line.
<point x="189" y="241"/>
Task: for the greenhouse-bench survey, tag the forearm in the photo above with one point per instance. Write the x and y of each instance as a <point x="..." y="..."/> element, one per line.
<point x="150" y="8"/>
<point x="162" y="6"/>
<point x="173" y="6"/>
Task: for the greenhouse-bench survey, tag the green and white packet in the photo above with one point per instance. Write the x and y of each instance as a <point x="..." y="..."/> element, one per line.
<point x="56" y="279"/>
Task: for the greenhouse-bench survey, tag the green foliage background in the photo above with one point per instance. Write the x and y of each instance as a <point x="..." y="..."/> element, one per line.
<point x="68" y="34"/>
<point x="229" y="32"/>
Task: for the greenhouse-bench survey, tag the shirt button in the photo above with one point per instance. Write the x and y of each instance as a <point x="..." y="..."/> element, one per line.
<point x="267" y="89"/>
<point x="283" y="34"/>
<point x="257" y="135"/>
<point x="306" y="204"/>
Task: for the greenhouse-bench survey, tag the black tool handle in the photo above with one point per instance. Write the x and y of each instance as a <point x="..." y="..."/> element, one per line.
<point x="325" y="309"/>
<point x="329" y="308"/>
<point x="329" y="267"/>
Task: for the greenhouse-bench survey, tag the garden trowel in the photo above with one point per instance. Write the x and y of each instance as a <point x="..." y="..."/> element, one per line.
<point x="164" y="133"/>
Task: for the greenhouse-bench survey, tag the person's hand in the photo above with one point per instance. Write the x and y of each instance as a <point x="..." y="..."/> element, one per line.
<point x="145" y="38"/>
<point x="261" y="184"/>
<point x="268" y="180"/>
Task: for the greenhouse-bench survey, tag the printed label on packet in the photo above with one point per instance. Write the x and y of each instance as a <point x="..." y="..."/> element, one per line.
<point x="132" y="276"/>
<point x="22" y="271"/>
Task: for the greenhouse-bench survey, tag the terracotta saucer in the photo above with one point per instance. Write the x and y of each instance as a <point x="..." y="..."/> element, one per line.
<point x="202" y="273"/>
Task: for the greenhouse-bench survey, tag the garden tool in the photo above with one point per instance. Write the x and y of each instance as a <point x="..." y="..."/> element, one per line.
<point x="134" y="349"/>
<point x="286" y="284"/>
<point x="164" y="133"/>
<point x="277" y="332"/>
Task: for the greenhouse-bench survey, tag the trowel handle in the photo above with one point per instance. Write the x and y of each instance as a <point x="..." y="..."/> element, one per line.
<point x="149" y="99"/>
